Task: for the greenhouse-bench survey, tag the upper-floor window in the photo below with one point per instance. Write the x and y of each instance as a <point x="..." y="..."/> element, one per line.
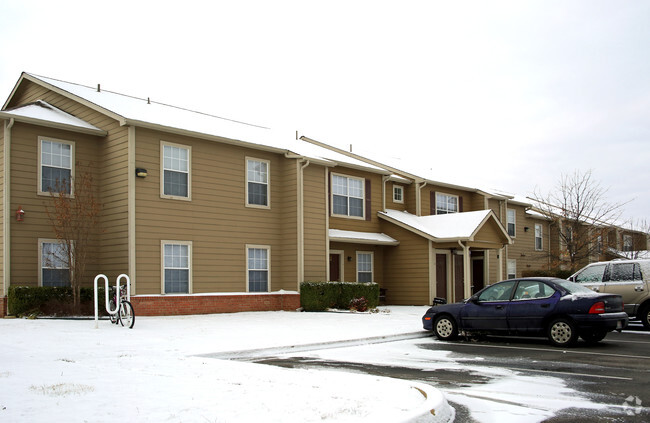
<point x="347" y="196"/>
<point x="538" y="237"/>
<point x="398" y="194"/>
<point x="512" y="220"/>
<point x="176" y="267"/>
<point x="56" y="166"/>
<point x="176" y="165"/>
<point x="55" y="270"/>
<point x="446" y="203"/>
<point x="257" y="182"/>
<point x="258" y="269"/>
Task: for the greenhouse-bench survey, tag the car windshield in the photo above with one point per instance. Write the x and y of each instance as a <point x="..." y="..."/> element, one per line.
<point x="573" y="287"/>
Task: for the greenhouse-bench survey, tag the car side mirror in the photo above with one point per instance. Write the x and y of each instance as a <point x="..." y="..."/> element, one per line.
<point x="473" y="299"/>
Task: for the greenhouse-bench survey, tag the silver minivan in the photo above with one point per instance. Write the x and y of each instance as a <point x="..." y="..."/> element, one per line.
<point x="628" y="278"/>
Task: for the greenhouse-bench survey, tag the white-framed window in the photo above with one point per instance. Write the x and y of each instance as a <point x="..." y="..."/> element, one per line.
<point x="364" y="266"/>
<point x="538" y="237"/>
<point x="511" y="268"/>
<point x="53" y="262"/>
<point x="446" y="203"/>
<point x="348" y="194"/>
<point x="258" y="268"/>
<point x="257" y="183"/>
<point x="56" y="166"/>
<point x="177" y="267"/>
<point x="628" y="243"/>
<point x="512" y="221"/>
<point x="176" y="164"/>
<point x="398" y="194"/>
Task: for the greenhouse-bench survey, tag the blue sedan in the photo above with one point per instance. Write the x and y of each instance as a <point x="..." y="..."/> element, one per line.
<point x="555" y="308"/>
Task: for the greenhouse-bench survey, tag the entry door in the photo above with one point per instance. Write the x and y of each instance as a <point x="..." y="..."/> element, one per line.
<point x="477" y="275"/>
<point x="441" y="276"/>
<point x="335" y="267"/>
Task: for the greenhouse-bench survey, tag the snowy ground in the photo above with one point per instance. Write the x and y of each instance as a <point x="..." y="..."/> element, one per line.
<point x="66" y="370"/>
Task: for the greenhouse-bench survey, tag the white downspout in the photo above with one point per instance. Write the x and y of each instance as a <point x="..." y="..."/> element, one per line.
<point x="301" y="224"/>
<point x="383" y="192"/>
<point x="418" y="197"/>
<point x="6" y="201"/>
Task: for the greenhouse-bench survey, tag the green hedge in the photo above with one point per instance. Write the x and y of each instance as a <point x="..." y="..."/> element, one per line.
<point x="553" y="273"/>
<point x="50" y="301"/>
<point x="319" y="296"/>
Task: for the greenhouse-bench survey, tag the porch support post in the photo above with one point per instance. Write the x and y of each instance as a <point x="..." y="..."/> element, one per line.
<point x="467" y="260"/>
<point x="500" y="266"/>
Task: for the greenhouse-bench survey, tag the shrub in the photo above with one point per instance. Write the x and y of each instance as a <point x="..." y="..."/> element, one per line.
<point x="51" y="301"/>
<point x="319" y="296"/>
<point x="359" y="304"/>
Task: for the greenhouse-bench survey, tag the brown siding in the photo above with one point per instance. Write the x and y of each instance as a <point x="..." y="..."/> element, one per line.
<point x="24" y="184"/>
<point x="350" y="266"/>
<point x="406" y="268"/>
<point x="3" y="210"/>
<point x="390" y="204"/>
<point x="216" y="219"/>
<point x="469" y="201"/>
<point x="523" y="247"/>
<point x="352" y="224"/>
<point x="315" y="223"/>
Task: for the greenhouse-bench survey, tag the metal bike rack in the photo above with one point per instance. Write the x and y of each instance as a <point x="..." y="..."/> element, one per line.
<point x="106" y="289"/>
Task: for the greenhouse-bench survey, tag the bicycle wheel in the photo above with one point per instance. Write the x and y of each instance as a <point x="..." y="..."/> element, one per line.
<point x="114" y="317"/>
<point x="127" y="316"/>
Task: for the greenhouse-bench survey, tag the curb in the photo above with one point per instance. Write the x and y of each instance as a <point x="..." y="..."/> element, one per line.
<point x="434" y="409"/>
<point x="257" y="353"/>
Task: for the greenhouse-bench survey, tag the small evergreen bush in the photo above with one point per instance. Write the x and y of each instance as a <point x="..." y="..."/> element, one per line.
<point x="51" y="301"/>
<point x="319" y="296"/>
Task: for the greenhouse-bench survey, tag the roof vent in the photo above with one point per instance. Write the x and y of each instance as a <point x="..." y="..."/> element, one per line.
<point x="99" y="89"/>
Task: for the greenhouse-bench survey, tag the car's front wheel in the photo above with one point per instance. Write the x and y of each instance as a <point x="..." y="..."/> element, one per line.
<point x="594" y="336"/>
<point x="562" y="333"/>
<point x="445" y="328"/>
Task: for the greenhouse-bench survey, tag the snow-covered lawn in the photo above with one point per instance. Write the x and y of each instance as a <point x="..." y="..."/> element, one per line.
<point x="66" y="370"/>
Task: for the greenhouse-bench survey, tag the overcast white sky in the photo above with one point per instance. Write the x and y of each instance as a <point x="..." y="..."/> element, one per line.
<point x="491" y="94"/>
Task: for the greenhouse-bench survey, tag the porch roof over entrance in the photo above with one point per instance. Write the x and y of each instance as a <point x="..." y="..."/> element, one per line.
<point x="339" y="235"/>
<point x="475" y="226"/>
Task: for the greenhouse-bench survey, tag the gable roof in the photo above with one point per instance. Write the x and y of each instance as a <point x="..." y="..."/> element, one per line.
<point x="42" y="113"/>
<point x="453" y="227"/>
<point x="142" y="112"/>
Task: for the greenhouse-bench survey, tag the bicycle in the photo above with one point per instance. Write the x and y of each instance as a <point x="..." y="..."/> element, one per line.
<point x="125" y="315"/>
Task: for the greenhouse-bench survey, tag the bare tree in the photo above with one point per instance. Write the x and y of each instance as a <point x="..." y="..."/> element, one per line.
<point x="581" y="215"/>
<point x="74" y="215"/>
<point x="638" y="232"/>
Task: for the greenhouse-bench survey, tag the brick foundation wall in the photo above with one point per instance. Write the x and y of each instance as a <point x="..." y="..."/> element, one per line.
<point x="3" y="306"/>
<point x="175" y="305"/>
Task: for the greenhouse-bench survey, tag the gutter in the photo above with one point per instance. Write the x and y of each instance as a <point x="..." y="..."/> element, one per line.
<point x="301" y="222"/>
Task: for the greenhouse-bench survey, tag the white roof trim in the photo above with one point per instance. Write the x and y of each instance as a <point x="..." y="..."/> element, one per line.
<point x="339" y="235"/>
<point x="44" y="114"/>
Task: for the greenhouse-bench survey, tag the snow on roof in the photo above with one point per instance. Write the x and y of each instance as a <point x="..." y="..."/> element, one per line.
<point x="134" y="110"/>
<point x="42" y="111"/>
<point x="442" y="226"/>
<point x="361" y="237"/>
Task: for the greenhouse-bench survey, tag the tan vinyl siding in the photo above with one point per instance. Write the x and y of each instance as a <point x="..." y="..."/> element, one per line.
<point x="523" y="247"/>
<point x="24" y="181"/>
<point x="315" y="217"/>
<point x="390" y="203"/>
<point x="3" y="209"/>
<point x="406" y="270"/>
<point x="216" y="220"/>
<point x="350" y="266"/>
<point x="358" y="224"/>
<point x="471" y="201"/>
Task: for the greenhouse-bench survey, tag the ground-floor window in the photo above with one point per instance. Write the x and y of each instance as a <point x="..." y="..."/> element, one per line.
<point x="176" y="267"/>
<point x="257" y="274"/>
<point x="55" y="270"/>
<point x="511" y="268"/>
<point x="364" y="266"/>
